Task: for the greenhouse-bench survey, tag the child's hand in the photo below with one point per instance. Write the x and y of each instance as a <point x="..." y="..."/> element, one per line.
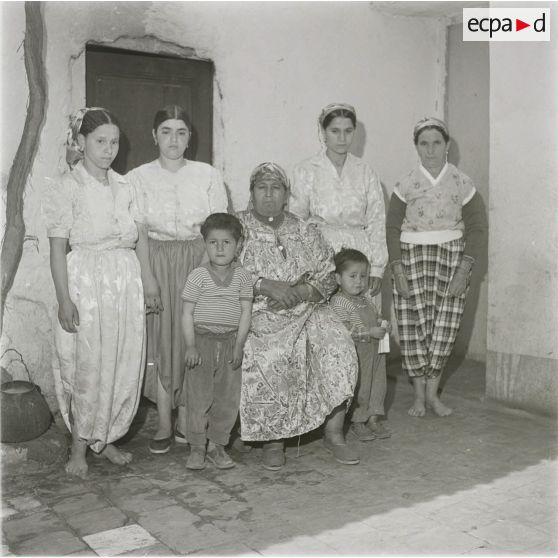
<point x="192" y="357"/>
<point x="378" y="332"/>
<point x="238" y="354"/>
<point x="68" y="316"/>
<point x="385" y="324"/>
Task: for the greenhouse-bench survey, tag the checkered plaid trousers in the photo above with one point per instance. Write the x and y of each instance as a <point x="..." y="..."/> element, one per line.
<point x="428" y="321"/>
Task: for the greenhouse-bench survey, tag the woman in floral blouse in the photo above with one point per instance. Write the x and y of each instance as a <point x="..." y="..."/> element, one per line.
<point x="435" y="230"/>
<point x="342" y="194"/>
<point x="174" y="197"/>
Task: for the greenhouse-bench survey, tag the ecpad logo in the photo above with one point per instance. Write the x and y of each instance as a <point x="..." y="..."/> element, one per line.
<point x="506" y="24"/>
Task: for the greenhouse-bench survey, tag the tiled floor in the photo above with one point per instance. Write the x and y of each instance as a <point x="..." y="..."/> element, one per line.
<point x="481" y="482"/>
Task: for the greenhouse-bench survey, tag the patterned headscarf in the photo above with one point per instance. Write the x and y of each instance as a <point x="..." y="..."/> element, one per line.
<point x="335" y="106"/>
<point x="73" y="151"/>
<point x="429" y="121"/>
<point x="268" y="170"/>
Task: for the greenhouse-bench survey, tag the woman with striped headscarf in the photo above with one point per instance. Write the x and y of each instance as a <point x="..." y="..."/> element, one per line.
<point x="300" y="366"/>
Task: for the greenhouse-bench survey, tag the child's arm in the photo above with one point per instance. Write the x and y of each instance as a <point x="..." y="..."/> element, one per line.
<point x="242" y="334"/>
<point x="68" y="315"/>
<point x="192" y="357"/>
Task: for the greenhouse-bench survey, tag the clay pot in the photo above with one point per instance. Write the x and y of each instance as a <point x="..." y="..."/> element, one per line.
<point x="25" y="413"/>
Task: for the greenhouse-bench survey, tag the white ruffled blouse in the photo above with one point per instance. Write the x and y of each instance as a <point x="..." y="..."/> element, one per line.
<point x="349" y="209"/>
<point x="173" y="205"/>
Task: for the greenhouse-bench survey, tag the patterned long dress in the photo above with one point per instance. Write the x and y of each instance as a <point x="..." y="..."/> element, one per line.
<point x="98" y="370"/>
<point x="299" y="363"/>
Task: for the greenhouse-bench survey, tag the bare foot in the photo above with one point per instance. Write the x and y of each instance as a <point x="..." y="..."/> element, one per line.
<point x="115" y="455"/>
<point x="418" y="409"/>
<point x="77" y="465"/>
<point x="439" y="408"/>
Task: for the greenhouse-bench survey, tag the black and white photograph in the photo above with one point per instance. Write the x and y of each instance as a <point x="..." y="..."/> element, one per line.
<point x="279" y="278"/>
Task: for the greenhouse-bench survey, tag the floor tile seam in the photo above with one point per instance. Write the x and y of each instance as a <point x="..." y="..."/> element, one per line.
<point x="512" y="548"/>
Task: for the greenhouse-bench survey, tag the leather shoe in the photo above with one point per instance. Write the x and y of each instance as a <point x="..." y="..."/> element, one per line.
<point x="160" y="446"/>
<point x="273" y="456"/>
<point x="342" y="453"/>
<point x="179" y="438"/>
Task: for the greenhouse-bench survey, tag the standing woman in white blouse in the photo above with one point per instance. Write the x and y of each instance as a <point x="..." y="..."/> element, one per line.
<point x="343" y="196"/>
<point x="174" y="197"/>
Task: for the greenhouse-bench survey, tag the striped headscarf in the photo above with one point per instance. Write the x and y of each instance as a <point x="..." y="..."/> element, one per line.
<point x="269" y="170"/>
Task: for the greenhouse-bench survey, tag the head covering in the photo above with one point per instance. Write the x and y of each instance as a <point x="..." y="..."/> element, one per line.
<point x="73" y="151"/>
<point x="335" y="106"/>
<point x="269" y="171"/>
<point x="429" y="121"/>
<point x="328" y="110"/>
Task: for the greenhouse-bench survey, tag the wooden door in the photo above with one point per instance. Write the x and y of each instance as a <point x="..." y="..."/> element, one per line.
<point x="134" y="85"/>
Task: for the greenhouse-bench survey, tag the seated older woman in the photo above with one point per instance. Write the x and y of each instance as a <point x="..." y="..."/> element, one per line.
<point x="300" y="366"/>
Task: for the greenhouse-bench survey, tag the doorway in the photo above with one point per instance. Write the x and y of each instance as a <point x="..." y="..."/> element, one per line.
<point x="134" y="85"/>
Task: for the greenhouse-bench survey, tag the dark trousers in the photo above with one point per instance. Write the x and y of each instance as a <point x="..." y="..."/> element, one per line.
<point x="213" y="390"/>
<point x="371" y="388"/>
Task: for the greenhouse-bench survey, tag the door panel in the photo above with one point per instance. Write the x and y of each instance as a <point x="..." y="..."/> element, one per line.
<point x="135" y="85"/>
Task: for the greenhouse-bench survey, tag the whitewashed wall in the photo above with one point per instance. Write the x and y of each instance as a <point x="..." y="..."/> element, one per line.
<point x="276" y="65"/>
<point x="522" y="342"/>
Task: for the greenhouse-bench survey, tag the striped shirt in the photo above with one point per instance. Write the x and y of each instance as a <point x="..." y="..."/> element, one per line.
<point x="358" y="313"/>
<point x="217" y="301"/>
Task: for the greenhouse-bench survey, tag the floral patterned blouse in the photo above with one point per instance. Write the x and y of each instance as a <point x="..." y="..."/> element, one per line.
<point x="294" y="251"/>
<point x="434" y="204"/>
<point x="349" y="208"/>
<point x="90" y="214"/>
<point x="173" y="205"/>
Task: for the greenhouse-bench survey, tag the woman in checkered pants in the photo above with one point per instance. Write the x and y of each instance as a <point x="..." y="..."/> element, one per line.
<point x="435" y="229"/>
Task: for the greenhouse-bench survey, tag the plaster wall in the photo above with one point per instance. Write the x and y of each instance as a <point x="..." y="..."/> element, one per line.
<point x="468" y="121"/>
<point x="276" y="65"/>
<point x="522" y="341"/>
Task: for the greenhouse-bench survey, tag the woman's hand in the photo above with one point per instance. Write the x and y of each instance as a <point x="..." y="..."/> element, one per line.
<point x="192" y="357"/>
<point x="374" y="285"/>
<point x="68" y="316"/>
<point x="400" y="279"/>
<point x="152" y="296"/>
<point x="460" y="280"/>
<point x="282" y="294"/>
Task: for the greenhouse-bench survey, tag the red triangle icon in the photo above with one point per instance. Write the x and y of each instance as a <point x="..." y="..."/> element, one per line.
<point x="519" y="25"/>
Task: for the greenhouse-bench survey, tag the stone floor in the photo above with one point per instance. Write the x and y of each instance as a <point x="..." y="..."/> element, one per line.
<point x="481" y="482"/>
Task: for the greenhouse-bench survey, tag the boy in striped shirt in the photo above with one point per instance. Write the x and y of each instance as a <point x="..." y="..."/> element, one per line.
<point x="215" y="321"/>
<point x="360" y="316"/>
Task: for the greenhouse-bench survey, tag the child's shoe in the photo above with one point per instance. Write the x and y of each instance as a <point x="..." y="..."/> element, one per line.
<point x="379" y="430"/>
<point x="361" y="432"/>
<point x="196" y="459"/>
<point x="217" y="455"/>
